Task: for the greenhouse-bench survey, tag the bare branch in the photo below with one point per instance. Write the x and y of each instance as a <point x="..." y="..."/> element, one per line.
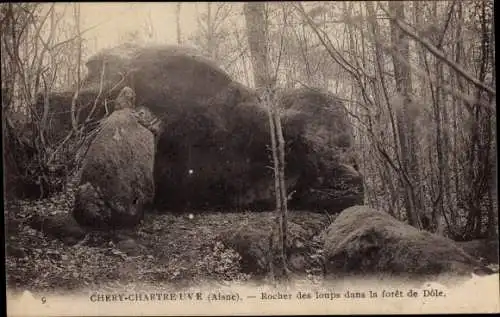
<point x="101" y="84"/>
<point x="280" y="52"/>
<point x="438" y="53"/>
<point x="74" y="122"/>
<point x="447" y="24"/>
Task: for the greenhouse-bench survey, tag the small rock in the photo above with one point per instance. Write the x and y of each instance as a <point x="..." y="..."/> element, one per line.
<point x="129" y="247"/>
<point x="297" y="262"/>
<point x="15" y="251"/>
<point x="61" y="226"/>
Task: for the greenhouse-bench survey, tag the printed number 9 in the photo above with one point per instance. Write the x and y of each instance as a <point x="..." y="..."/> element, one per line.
<point x="44" y="300"/>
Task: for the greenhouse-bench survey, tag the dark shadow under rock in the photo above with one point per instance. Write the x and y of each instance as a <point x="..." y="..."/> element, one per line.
<point x="60" y="226"/>
<point x="252" y="238"/>
<point x="363" y="240"/>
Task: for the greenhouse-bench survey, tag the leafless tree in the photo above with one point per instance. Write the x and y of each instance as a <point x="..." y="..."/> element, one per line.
<point x="257" y="33"/>
<point x="421" y="103"/>
<point x="33" y="56"/>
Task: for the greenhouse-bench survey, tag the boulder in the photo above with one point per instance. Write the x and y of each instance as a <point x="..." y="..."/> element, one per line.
<point x="319" y="141"/>
<point x="252" y="241"/>
<point x="214" y="149"/>
<point x="117" y="174"/>
<point x="61" y="226"/>
<point x="363" y="240"/>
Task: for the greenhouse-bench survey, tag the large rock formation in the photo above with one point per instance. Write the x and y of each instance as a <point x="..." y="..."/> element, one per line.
<point x="117" y="174"/>
<point x="363" y="240"/>
<point x="214" y="149"/>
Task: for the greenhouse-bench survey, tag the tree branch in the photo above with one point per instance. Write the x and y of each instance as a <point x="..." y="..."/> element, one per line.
<point x="438" y="53"/>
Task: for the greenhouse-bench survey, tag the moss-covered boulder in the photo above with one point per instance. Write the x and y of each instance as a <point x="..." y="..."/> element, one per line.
<point x="363" y="240"/>
<point x="252" y="239"/>
<point x="214" y="149"/>
<point x="117" y="174"/>
<point x="61" y="226"/>
<point x="320" y="151"/>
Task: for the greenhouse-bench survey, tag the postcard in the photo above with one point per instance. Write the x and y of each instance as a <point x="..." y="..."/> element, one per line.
<point x="248" y="158"/>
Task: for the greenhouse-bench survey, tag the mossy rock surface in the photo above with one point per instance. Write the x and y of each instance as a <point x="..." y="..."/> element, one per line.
<point x="117" y="174"/>
<point x="213" y="151"/>
<point x="252" y="238"/>
<point x="363" y="240"/>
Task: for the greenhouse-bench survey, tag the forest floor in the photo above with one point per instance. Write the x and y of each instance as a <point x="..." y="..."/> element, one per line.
<point x="176" y="249"/>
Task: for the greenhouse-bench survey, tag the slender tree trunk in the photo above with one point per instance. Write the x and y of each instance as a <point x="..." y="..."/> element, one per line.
<point x="257" y="30"/>
<point x="210" y="35"/>
<point x="47" y="87"/>
<point x="493" y="192"/>
<point x="74" y="117"/>
<point x="256" y="21"/>
<point x="381" y="97"/>
<point x="457" y="118"/>
<point x="178" y="21"/>
<point x="405" y="124"/>
<point x="438" y="102"/>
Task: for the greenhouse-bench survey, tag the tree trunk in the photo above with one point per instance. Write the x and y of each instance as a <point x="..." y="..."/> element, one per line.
<point x="74" y="116"/>
<point x="178" y="21"/>
<point x="256" y="22"/>
<point x="405" y="124"/>
<point x="257" y="30"/>
<point x="381" y="98"/>
<point x="210" y="32"/>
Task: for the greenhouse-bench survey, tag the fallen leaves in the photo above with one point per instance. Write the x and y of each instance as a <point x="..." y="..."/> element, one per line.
<point x="166" y="247"/>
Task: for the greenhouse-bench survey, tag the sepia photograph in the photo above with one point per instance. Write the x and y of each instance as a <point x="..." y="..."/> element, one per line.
<point x="235" y="158"/>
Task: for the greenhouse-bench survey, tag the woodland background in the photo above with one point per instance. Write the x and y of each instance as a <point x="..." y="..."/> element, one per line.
<point x="417" y="77"/>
